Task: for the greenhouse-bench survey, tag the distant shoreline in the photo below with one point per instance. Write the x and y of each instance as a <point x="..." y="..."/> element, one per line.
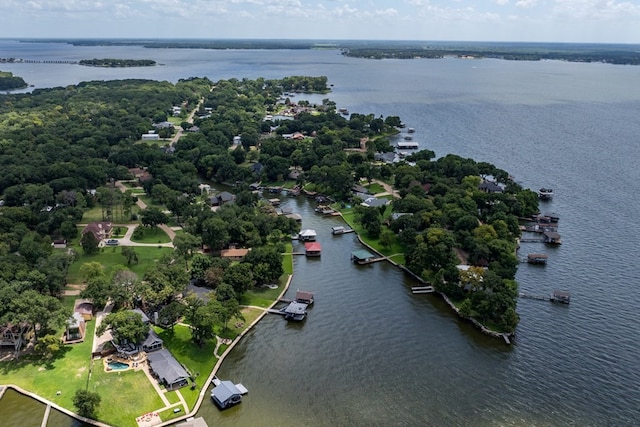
<point x="617" y="54"/>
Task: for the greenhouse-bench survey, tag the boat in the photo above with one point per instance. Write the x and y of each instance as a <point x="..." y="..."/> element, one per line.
<point x="411" y="130"/>
<point x="545" y="193"/>
<point x="408" y="137"/>
<point x="344" y="111"/>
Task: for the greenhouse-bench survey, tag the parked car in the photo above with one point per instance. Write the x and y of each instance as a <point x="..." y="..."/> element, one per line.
<point x="112" y="242"/>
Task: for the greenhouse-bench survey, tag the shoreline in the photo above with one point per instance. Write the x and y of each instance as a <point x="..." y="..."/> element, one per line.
<point x="506" y="336"/>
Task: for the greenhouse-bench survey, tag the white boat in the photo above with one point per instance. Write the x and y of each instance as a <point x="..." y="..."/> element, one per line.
<point x="545" y="193"/>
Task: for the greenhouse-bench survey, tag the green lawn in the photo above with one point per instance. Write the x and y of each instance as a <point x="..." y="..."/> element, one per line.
<point x="151" y="235"/>
<point x="66" y="373"/>
<point x="375" y="188"/>
<point x="112" y="256"/>
<point x="395" y="248"/>
<point x="125" y="395"/>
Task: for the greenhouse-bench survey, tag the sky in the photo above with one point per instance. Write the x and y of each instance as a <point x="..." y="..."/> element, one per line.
<point x="590" y="21"/>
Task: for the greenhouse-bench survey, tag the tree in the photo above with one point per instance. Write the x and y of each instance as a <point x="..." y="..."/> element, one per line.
<point x="98" y="290"/>
<point x="87" y="403"/>
<point x="186" y="244"/>
<point x="49" y="345"/>
<point x="126" y="327"/>
<point x="152" y="216"/>
<point x="387" y="238"/>
<point x="89" y="243"/>
<point x="130" y="254"/>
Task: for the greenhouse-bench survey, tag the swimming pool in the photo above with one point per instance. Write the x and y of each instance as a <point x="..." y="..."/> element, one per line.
<point x="118" y="366"/>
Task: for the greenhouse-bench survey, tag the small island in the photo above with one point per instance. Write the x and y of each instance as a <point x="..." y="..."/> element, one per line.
<point x="117" y="63"/>
<point x="10" y="82"/>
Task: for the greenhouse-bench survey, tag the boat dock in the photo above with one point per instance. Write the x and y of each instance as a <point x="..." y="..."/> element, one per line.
<point x="562" y="297"/>
<point x="422" y="290"/>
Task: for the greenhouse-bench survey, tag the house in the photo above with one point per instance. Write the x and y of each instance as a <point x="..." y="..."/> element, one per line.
<point x="490" y="187"/>
<point x="75" y="329"/>
<point x="312" y="249"/>
<point x="150" y="136"/>
<point x="152" y="343"/>
<point x="84" y="307"/>
<point x="221" y="199"/>
<point x="13" y="335"/>
<point x="374" y="202"/>
<point x="145" y="318"/>
<point x="59" y="244"/>
<point x="226" y="394"/>
<point x="167" y="369"/>
<point x="101" y="230"/>
<point x="307" y="235"/>
<point x="234" y="254"/>
<point x="163" y="125"/>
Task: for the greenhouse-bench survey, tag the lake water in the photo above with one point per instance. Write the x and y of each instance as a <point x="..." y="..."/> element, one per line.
<point x="372" y="353"/>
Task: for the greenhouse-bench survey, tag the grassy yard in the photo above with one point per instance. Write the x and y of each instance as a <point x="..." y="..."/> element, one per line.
<point x="125" y="395"/>
<point x="67" y="372"/>
<point x="375" y="188"/>
<point x="111" y="256"/>
<point x="150" y="235"/>
<point x="394" y="249"/>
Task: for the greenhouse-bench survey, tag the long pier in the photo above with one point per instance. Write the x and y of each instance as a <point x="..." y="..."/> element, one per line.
<point x="422" y="290"/>
<point x="538" y="297"/>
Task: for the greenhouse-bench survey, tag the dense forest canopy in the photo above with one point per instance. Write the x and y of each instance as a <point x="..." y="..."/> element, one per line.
<point x="62" y="148"/>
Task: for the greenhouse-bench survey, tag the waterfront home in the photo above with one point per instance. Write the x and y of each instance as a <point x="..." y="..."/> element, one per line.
<point x="152" y="342"/>
<point x="167" y="369"/>
<point x="226" y="394"/>
<point x="222" y="198"/>
<point x="312" y="249"/>
<point x="490" y="187"/>
<point x="307" y="235"/>
<point x="374" y="202"/>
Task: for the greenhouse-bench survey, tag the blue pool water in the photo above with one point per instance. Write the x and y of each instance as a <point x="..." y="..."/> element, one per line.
<point x="118" y="366"/>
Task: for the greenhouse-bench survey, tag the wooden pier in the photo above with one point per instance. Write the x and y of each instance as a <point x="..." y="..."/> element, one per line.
<point x="562" y="297"/>
<point x="422" y="290"/>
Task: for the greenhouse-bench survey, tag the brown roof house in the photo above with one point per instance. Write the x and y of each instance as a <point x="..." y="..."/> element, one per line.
<point x="101" y="230"/>
<point x="234" y="254"/>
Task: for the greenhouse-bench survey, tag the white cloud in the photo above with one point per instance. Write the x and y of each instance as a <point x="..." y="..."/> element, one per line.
<point x="525" y="4"/>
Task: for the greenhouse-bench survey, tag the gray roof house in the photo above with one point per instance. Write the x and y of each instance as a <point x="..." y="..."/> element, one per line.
<point x="168" y="370"/>
<point x="374" y="202"/>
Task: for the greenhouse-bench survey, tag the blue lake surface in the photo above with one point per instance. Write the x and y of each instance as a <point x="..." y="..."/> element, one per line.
<point x="371" y="352"/>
